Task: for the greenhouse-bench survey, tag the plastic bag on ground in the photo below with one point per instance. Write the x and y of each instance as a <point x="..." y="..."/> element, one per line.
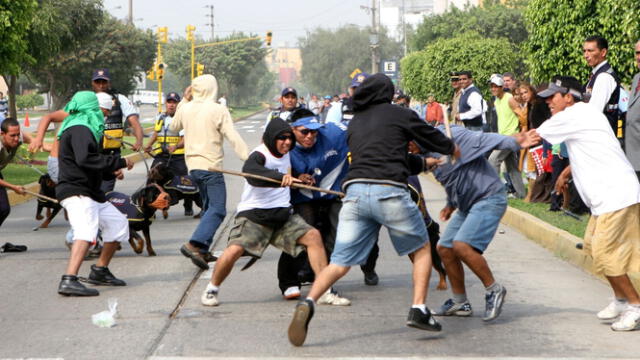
<point x="106" y="318"/>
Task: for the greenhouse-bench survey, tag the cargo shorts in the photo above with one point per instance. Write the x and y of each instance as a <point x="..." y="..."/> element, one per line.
<point x="254" y="238"/>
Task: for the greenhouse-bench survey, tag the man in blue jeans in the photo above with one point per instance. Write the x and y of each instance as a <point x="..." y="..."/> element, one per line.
<point x="473" y="188"/>
<point x="206" y="124"/>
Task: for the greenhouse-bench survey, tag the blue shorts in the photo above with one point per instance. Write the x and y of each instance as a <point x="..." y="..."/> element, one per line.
<point x="478" y="226"/>
<point x="365" y="208"/>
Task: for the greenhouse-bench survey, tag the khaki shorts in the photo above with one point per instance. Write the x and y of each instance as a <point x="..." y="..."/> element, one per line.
<point x="613" y="240"/>
<point x="254" y="238"/>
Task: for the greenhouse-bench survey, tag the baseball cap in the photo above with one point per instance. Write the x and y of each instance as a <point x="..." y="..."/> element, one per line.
<point x="563" y="85"/>
<point x="289" y="90"/>
<point x="359" y="79"/>
<point x="101" y="74"/>
<point x="496" y="79"/>
<point x="327" y="97"/>
<point x="173" y="96"/>
<point x="310" y="122"/>
<point x="105" y="100"/>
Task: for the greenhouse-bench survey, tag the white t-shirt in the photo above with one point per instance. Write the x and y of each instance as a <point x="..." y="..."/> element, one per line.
<point x="254" y="197"/>
<point x="127" y="108"/>
<point x="602" y="174"/>
<point x="222" y="101"/>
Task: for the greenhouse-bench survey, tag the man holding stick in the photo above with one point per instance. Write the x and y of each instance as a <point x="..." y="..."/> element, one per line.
<point x="9" y="144"/>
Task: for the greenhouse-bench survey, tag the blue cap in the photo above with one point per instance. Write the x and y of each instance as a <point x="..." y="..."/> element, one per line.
<point x="327" y="97"/>
<point x="289" y="90"/>
<point x="310" y="123"/>
<point x="359" y="79"/>
<point x="173" y="96"/>
<point x="101" y="74"/>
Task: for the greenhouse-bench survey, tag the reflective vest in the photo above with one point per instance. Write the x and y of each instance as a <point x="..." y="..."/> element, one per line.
<point x="113" y="127"/>
<point x="165" y="138"/>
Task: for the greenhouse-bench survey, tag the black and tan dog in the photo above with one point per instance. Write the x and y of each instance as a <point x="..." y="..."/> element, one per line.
<point x="140" y="210"/>
<point x="178" y="187"/>
<point x="47" y="188"/>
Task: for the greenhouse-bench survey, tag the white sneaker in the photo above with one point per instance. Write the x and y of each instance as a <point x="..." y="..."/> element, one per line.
<point x="292" y="292"/>
<point x="613" y="310"/>
<point x="330" y="298"/>
<point x="209" y="298"/>
<point x="629" y="320"/>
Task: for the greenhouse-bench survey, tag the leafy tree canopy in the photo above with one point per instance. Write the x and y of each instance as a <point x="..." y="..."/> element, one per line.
<point x="15" y="20"/>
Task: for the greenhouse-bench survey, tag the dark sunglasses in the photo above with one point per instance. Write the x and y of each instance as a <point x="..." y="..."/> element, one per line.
<point x="306" y="132"/>
<point x="284" y="137"/>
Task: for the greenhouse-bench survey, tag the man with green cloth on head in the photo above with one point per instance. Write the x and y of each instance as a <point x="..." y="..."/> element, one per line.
<point x="83" y="167"/>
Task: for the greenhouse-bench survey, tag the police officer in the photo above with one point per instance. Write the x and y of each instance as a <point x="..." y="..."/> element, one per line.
<point x="289" y="103"/>
<point x="168" y="146"/>
<point x="122" y="109"/>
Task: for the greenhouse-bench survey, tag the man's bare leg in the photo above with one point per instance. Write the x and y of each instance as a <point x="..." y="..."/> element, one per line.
<point x="108" y="249"/>
<point x="623" y="288"/>
<point x="78" y="252"/>
<point x="476" y="262"/>
<point x="327" y="277"/>
<point x="312" y="240"/>
<point x="225" y="263"/>
<point x="454" y="268"/>
<point x="421" y="259"/>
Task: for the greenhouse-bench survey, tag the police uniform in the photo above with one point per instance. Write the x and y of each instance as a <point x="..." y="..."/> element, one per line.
<point x="281" y="112"/>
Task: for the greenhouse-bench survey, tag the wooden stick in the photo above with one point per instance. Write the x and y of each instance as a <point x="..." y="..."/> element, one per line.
<point x="447" y="129"/>
<point x="295" y="185"/>
<point x="41" y="196"/>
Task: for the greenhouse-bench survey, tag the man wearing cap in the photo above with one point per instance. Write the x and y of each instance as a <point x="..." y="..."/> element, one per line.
<point x="454" y="77"/>
<point x="319" y="158"/>
<point x="344" y="113"/>
<point x="470" y="107"/>
<point x="121" y="111"/>
<point x="608" y="184"/>
<point x="507" y="125"/>
<point x="289" y="103"/>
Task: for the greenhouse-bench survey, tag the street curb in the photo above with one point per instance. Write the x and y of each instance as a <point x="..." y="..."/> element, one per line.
<point x="559" y="242"/>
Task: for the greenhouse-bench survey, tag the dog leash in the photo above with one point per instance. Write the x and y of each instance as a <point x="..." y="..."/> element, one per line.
<point x="23" y="161"/>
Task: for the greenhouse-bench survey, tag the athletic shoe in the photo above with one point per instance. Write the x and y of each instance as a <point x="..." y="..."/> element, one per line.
<point x="419" y="320"/>
<point x="292" y="293"/>
<point x="209" y="298"/>
<point x="451" y="308"/>
<point x="332" y="297"/>
<point x="629" y="320"/>
<point x="300" y="322"/>
<point x="613" y="310"/>
<point x="494" y="300"/>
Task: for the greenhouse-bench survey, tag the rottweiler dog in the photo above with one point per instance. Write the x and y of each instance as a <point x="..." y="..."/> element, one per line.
<point x="178" y="187"/>
<point x="47" y="188"/>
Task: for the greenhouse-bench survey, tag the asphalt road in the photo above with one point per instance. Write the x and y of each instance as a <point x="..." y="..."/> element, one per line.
<point x="549" y="311"/>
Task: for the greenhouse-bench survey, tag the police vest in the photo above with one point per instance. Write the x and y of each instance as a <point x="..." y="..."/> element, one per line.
<point x="166" y="138"/>
<point x="347" y="111"/>
<point x="464" y="106"/>
<point x="113" y="127"/>
<point x="276" y="114"/>
<point x="611" y="110"/>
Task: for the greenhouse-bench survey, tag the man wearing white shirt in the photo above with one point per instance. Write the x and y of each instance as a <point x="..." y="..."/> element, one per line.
<point x="470" y="109"/>
<point x="608" y="185"/>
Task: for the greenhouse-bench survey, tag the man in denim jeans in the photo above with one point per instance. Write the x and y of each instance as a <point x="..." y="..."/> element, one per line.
<point x="475" y="190"/>
<point x="206" y="124"/>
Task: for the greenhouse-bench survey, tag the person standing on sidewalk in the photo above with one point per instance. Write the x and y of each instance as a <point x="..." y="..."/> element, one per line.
<point x="608" y="184"/>
<point x="9" y="144"/>
<point x="632" y="125"/>
<point x="206" y="124"/>
<point x="471" y="106"/>
<point x="83" y="166"/>
<point x="376" y="195"/>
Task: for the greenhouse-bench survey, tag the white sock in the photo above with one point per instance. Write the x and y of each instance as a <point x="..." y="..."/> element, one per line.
<point x="313" y="301"/>
<point x="422" y="307"/>
<point x="211" y="287"/>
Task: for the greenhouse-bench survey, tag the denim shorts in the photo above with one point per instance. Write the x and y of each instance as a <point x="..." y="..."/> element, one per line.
<point x="365" y="208"/>
<point x="478" y="226"/>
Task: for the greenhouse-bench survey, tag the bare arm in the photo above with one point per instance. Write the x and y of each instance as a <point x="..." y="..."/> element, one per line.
<point x="56" y="116"/>
<point x="17" y="188"/>
<point x="134" y="120"/>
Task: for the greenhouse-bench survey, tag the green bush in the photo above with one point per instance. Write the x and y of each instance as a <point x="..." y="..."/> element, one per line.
<point x="29" y="101"/>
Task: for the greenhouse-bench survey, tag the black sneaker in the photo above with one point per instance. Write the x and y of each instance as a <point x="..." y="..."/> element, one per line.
<point x="494" y="300"/>
<point x="419" y="320"/>
<point x="100" y="275"/>
<point x="371" y="278"/>
<point x="70" y="286"/>
<point x="300" y="322"/>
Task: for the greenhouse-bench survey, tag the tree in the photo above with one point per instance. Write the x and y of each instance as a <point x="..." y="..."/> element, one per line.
<point x="427" y="72"/>
<point x="557" y="29"/>
<point x="329" y="56"/>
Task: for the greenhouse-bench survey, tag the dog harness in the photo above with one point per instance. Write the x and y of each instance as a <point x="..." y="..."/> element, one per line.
<point x="123" y="203"/>
<point x="183" y="184"/>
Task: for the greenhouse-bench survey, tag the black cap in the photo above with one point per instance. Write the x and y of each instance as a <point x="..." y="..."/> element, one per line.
<point x="101" y="74"/>
<point x="564" y="85"/>
<point x="173" y="96"/>
<point x="289" y="90"/>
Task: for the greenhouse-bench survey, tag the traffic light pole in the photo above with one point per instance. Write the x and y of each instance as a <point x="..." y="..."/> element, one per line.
<point x="160" y="76"/>
<point x="193" y="57"/>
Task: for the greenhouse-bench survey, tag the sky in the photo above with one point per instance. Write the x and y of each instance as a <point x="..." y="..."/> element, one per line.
<point x="288" y="20"/>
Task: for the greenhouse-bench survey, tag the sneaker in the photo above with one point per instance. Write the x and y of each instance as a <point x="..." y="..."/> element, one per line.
<point x="299" y="324"/>
<point x="70" y="286"/>
<point x="371" y="278"/>
<point x="193" y="253"/>
<point x="419" y="320"/>
<point x="331" y="297"/>
<point x="629" y="320"/>
<point x="613" y="310"/>
<point x="100" y="275"/>
<point x="188" y="212"/>
<point x="451" y="308"/>
<point x="292" y="293"/>
<point x="209" y="298"/>
<point x="494" y="300"/>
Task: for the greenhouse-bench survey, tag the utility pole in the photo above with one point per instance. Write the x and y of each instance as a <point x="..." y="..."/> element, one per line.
<point x="210" y="16"/>
<point x="130" y="19"/>
<point x="404" y="28"/>
<point x="374" y="37"/>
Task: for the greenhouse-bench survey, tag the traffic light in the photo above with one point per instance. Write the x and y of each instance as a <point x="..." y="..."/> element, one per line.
<point x="268" y="39"/>
<point x="163" y="34"/>
<point x="190" y="30"/>
<point x="151" y="74"/>
<point x="200" y="69"/>
<point x="160" y="71"/>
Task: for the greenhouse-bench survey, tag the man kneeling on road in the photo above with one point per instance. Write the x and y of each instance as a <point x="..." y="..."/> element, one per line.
<point x="264" y="213"/>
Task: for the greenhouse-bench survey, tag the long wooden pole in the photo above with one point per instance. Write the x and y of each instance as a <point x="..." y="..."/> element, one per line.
<point x="447" y="129"/>
<point x="259" y="177"/>
<point x="41" y="196"/>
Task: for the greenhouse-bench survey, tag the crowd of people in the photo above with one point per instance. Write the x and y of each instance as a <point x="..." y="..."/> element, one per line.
<point x="359" y="145"/>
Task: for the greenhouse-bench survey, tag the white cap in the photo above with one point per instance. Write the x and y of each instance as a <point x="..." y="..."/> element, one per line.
<point x="105" y="100"/>
<point x="497" y="79"/>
